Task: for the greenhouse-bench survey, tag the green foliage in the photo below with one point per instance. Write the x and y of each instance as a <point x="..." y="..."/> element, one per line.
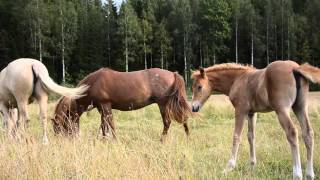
<point x="178" y="35"/>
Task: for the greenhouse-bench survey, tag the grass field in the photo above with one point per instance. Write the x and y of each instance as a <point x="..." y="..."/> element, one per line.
<point x="138" y="153"/>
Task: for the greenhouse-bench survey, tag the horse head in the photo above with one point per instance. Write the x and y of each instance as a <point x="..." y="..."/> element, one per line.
<point x="65" y="120"/>
<point x="201" y="89"/>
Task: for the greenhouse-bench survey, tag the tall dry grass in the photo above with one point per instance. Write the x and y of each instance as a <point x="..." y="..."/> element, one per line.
<point x="138" y="153"/>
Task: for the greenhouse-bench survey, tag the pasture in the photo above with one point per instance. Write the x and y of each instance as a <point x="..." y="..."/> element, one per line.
<point x="139" y="154"/>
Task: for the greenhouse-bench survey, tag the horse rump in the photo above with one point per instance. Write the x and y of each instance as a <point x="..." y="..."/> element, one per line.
<point x="41" y="73"/>
<point x="176" y="106"/>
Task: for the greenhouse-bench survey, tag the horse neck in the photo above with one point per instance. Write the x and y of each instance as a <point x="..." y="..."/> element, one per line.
<point x="222" y="80"/>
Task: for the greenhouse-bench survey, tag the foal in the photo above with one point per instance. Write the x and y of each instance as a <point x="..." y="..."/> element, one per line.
<point x="22" y="81"/>
<point x="125" y="91"/>
<point x="279" y="87"/>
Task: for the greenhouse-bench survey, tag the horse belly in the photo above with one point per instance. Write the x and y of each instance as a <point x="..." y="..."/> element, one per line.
<point x="261" y="107"/>
<point x="260" y="102"/>
<point x="130" y="106"/>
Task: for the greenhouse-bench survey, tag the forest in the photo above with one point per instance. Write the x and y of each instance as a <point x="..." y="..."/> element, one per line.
<point x="76" y="37"/>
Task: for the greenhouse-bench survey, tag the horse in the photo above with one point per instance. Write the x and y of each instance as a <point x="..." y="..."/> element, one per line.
<point x="280" y="86"/>
<point x="125" y="91"/>
<point x="23" y="81"/>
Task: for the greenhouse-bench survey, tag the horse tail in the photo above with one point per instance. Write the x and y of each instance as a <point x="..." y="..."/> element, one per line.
<point x="309" y="72"/>
<point x="40" y="72"/>
<point x="177" y="106"/>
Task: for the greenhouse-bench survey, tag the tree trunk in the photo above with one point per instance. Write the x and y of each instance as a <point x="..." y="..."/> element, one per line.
<point x="161" y="50"/>
<point x="109" y="48"/>
<point x="126" y="43"/>
<point x="185" y="59"/>
<point x="214" y="57"/>
<point x="288" y="38"/>
<point x="275" y="42"/>
<point x="282" y="38"/>
<point x="39" y="32"/>
<point x="237" y="39"/>
<point x="62" y="45"/>
<point x="174" y="52"/>
<point x="145" y="50"/>
<point x="268" y="61"/>
<point x="151" y="60"/>
<point x="200" y="49"/>
<point x="252" y="33"/>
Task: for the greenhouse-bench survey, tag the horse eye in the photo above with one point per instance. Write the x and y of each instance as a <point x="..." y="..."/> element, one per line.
<point x="199" y="88"/>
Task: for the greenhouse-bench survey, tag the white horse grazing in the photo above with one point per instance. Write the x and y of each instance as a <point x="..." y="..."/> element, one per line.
<point x="22" y="81"/>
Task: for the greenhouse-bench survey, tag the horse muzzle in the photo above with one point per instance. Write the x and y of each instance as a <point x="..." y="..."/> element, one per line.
<point x="196" y="106"/>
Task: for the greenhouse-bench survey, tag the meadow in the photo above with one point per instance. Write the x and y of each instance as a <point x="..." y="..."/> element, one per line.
<point x="139" y="154"/>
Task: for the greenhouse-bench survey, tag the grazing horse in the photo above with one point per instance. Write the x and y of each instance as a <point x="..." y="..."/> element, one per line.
<point x="22" y="81"/>
<point x="280" y="86"/>
<point x="125" y="91"/>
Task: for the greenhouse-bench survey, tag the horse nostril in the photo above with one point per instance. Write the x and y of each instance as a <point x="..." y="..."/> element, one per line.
<point x="195" y="108"/>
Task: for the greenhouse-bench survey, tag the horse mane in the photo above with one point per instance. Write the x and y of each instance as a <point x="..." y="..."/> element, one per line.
<point x="224" y="67"/>
<point x="92" y="76"/>
<point x="58" y="104"/>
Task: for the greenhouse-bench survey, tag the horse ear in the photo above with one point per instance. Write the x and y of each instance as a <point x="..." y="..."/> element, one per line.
<point x="202" y="72"/>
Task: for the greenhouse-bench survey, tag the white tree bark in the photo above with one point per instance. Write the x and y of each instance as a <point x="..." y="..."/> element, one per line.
<point x="282" y="34"/>
<point x="200" y="49"/>
<point x="268" y="60"/>
<point x="185" y="59"/>
<point x="62" y="45"/>
<point x="145" y="54"/>
<point x="39" y="32"/>
<point x="237" y="39"/>
<point x="252" y="34"/>
<point x="126" y="42"/>
<point x="109" y="48"/>
<point x="288" y="26"/>
<point x="161" y="50"/>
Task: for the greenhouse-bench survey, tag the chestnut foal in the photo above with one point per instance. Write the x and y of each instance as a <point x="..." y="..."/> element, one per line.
<point x="280" y="86"/>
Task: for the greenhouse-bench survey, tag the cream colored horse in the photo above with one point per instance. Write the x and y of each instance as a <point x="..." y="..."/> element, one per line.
<point x="22" y="81"/>
<point x="279" y="87"/>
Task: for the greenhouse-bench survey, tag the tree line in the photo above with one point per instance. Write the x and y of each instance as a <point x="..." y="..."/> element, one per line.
<point x="76" y="37"/>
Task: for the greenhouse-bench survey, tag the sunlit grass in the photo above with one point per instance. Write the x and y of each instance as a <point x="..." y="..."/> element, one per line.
<point x="139" y="154"/>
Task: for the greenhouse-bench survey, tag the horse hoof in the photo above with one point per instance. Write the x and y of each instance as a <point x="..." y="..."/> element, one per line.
<point x="310" y="173"/>
<point x="163" y="139"/>
<point x="297" y="177"/>
<point x="310" y="176"/>
<point x="45" y="141"/>
<point x="253" y="163"/>
<point x="230" y="166"/>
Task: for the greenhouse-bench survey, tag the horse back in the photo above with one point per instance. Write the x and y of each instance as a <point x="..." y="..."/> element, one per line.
<point x="18" y="77"/>
<point x="128" y="90"/>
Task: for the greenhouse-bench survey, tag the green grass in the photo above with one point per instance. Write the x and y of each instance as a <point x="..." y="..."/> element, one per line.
<point x="139" y="154"/>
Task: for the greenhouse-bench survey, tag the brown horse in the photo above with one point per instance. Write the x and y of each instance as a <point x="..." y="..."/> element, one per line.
<point x="125" y="91"/>
<point x="282" y="85"/>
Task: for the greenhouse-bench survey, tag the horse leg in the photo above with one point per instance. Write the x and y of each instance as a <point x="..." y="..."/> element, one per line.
<point x="106" y="120"/>
<point x="252" y="117"/>
<point x="239" y="122"/>
<point x="42" y="98"/>
<point x="292" y="137"/>
<point x="7" y="121"/>
<point x="166" y="123"/>
<point x="23" y="113"/>
<point x="186" y="129"/>
<point x="307" y="134"/>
